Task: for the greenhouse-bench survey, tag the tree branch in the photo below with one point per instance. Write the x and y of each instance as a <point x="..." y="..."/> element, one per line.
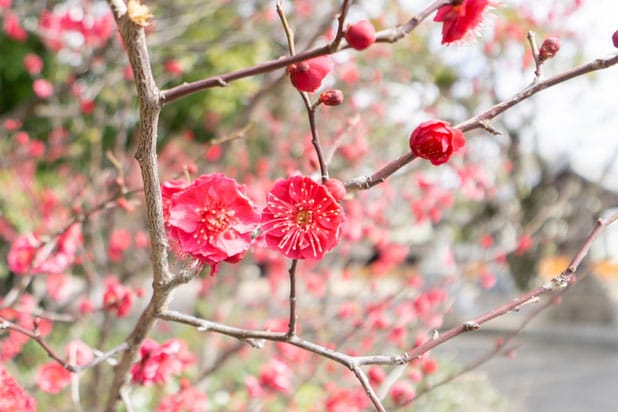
<point x="222" y="80"/>
<point x="481" y="121"/>
<point x="150" y="104"/>
<point x="476" y="122"/>
<point x="35" y="336"/>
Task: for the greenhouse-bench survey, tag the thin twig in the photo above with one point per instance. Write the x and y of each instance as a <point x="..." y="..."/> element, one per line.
<point x="343" y="12"/>
<point x="367" y="182"/>
<point x="597" y="64"/>
<point x="289" y="34"/>
<point x="364" y="381"/>
<point x="535" y="54"/>
<point x="498" y="348"/>
<point x="395" y="34"/>
<point x="35" y="336"/>
<point x="315" y="140"/>
<point x="293" y="316"/>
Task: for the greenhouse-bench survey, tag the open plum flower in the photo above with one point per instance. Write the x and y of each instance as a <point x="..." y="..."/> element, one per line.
<point x="301" y="219"/>
<point x="210" y="219"/>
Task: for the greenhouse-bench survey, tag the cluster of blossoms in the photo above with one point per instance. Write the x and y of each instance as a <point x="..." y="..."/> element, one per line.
<point x="12" y="343"/>
<point x="158" y="363"/>
<point x="73" y="27"/>
<point x="29" y="254"/>
<point x="12" y="396"/>
<point x="186" y="399"/>
<point x="212" y="219"/>
<point x="117" y="298"/>
<point x="52" y="377"/>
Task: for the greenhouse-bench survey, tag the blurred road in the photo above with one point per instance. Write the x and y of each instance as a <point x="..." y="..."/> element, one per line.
<point x="566" y="371"/>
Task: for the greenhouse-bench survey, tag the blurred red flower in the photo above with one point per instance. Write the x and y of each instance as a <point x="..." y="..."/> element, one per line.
<point x="460" y="19"/>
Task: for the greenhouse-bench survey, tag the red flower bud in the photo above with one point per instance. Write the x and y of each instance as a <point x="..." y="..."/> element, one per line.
<point x="436" y="141"/>
<point x="549" y="48"/>
<point x="336" y="188"/>
<point x="361" y="34"/>
<point x="615" y="38"/>
<point x="332" y="97"/>
<point x="307" y="76"/>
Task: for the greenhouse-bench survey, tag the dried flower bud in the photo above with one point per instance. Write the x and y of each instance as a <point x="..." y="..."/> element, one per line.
<point x="549" y="48"/>
<point x="139" y="13"/>
<point x="332" y="97"/>
<point x="615" y="38"/>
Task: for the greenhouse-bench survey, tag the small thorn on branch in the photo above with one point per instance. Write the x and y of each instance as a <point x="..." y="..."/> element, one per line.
<point x="487" y="127"/>
<point x="255" y="343"/>
<point x="535" y="299"/>
<point x="222" y="82"/>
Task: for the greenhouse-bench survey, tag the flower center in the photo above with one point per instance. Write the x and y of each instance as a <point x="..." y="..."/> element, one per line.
<point x="303" y="218"/>
<point x="216" y="220"/>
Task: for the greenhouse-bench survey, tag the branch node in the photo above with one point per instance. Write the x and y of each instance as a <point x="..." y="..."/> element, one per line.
<point x="560" y="281"/>
<point x="403" y="359"/>
<point x="222" y="82"/>
<point x="471" y="326"/>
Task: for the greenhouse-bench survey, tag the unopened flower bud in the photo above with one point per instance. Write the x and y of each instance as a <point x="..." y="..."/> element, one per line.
<point x="360" y="35"/>
<point x="332" y="97"/>
<point x="549" y="48"/>
<point x="336" y="188"/>
<point x="615" y="38"/>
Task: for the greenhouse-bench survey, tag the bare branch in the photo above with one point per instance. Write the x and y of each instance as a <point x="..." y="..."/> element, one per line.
<point x="364" y="381"/>
<point x="598" y="64"/>
<point x="367" y="182"/>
